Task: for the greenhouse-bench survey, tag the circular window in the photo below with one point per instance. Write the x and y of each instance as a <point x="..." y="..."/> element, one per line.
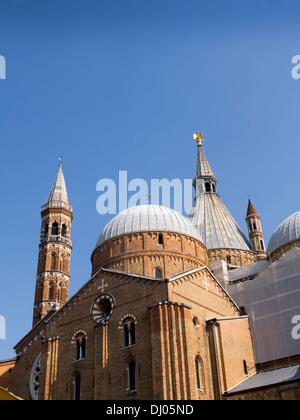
<point x="196" y="321"/>
<point x="102" y="309"/>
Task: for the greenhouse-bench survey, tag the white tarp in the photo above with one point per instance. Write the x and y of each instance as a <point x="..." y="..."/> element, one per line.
<point x="272" y="301"/>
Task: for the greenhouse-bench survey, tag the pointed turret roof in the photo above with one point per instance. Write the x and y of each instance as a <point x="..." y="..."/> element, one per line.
<point x="203" y="167"/>
<point x="209" y="215"/>
<point x="59" y="189"/>
<point x="251" y="210"/>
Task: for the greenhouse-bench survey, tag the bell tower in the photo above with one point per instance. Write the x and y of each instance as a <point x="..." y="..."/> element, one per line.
<point x="255" y="232"/>
<point x="53" y="273"/>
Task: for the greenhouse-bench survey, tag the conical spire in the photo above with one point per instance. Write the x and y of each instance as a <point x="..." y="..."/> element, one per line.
<point x="203" y="167"/>
<point x="209" y="214"/>
<point x="59" y="189"/>
<point x="251" y="210"/>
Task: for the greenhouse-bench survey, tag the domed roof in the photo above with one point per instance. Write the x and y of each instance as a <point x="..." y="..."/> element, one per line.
<point x="288" y="231"/>
<point x="148" y="218"/>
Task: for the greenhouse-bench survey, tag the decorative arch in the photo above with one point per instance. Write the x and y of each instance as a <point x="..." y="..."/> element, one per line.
<point x="79" y="340"/>
<point x="78" y="332"/>
<point x="127" y="325"/>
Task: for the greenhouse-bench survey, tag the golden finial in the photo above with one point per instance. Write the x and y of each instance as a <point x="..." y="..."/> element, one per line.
<point x="60" y="161"/>
<point x="199" y="138"/>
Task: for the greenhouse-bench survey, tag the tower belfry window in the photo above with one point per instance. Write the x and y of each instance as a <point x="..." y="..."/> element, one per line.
<point x="46" y="231"/>
<point x="63" y="230"/>
<point x="207" y="187"/>
<point x="54" y="231"/>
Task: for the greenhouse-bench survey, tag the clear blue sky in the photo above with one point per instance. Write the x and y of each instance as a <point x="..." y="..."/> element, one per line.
<point x="123" y="85"/>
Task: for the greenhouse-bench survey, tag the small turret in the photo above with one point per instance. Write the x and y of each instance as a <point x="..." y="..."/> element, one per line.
<point x="255" y="232"/>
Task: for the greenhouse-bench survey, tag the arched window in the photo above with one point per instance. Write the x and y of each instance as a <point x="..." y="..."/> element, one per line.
<point x="54" y="261"/>
<point x="158" y="273"/>
<point x="77" y="388"/>
<point x="262" y="245"/>
<point x="46" y="228"/>
<point x="131" y="376"/>
<point x="58" y="293"/>
<point x="214" y="187"/>
<point x="228" y="259"/>
<point x="129" y="332"/>
<point x="52" y="291"/>
<point x="64" y="231"/>
<point x="207" y="187"/>
<point x="54" y="231"/>
<point x="160" y="239"/>
<point x="80" y="347"/>
<point x="198" y="374"/>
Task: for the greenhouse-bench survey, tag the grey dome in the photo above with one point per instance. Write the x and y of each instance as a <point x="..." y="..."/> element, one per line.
<point x="148" y="218"/>
<point x="288" y="231"/>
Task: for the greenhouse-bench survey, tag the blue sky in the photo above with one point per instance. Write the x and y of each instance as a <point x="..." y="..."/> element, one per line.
<point x="122" y="85"/>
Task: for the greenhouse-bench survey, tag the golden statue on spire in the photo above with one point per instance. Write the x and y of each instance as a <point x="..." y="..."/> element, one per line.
<point x="199" y="138"/>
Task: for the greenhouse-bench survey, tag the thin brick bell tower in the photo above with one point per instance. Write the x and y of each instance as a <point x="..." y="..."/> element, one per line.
<point x="53" y="273"/>
<point x="256" y="236"/>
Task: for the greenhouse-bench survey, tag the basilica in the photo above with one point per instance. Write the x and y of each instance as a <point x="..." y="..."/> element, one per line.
<point x="176" y="308"/>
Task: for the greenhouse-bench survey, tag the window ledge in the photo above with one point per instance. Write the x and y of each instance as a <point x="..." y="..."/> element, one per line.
<point x="77" y="360"/>
<point x="130" y="393"/>
<point x="127" y="347"/>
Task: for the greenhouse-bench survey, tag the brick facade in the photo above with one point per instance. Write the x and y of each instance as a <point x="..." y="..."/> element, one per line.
<point x="172" y="331"/>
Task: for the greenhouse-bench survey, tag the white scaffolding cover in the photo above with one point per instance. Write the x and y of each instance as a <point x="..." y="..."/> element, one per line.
<point x="270" y="294"/>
